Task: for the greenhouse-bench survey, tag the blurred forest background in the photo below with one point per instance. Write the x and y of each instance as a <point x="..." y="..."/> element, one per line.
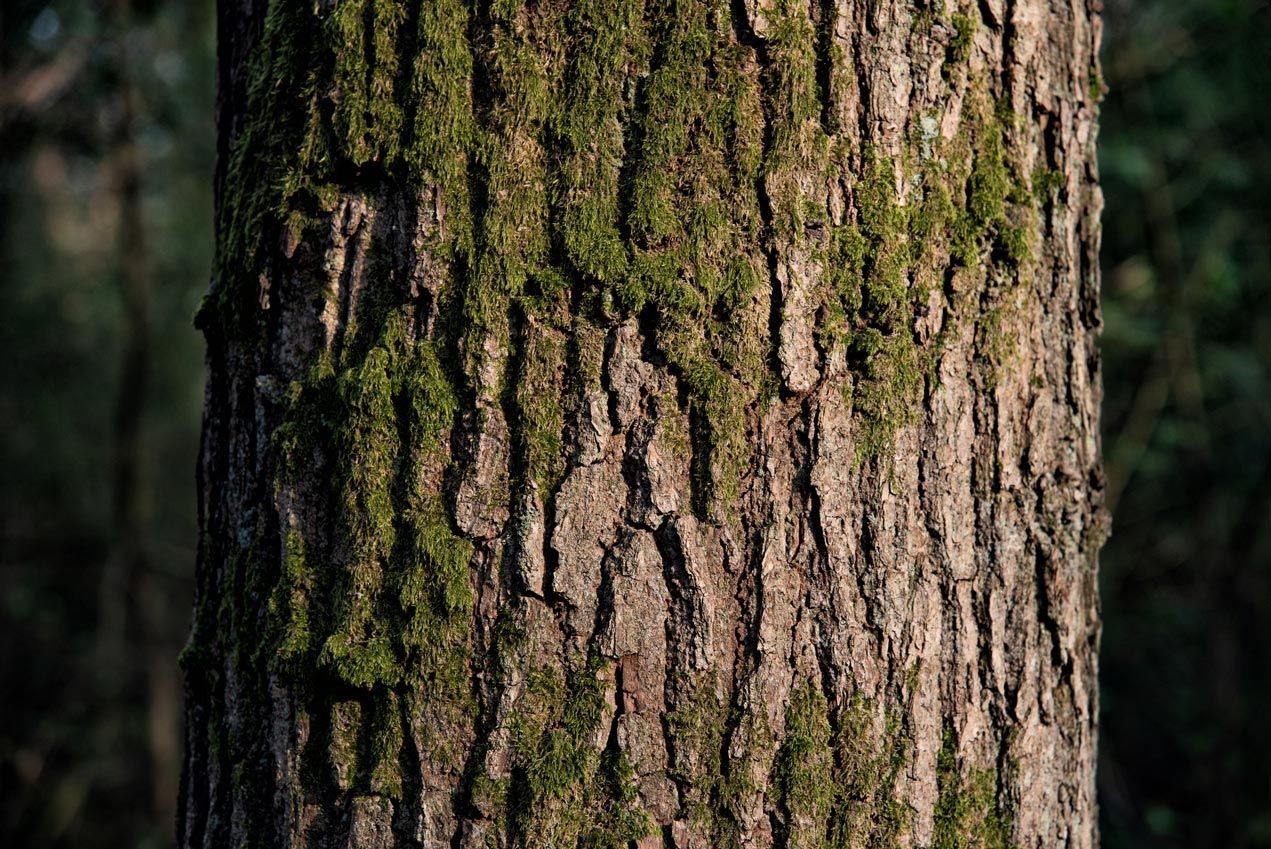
<point x="106" y="156"/>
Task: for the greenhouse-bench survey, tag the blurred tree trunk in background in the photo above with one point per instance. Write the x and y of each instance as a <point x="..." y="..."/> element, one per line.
<point x="104" y="112"/>
<point x="649" y="421"/>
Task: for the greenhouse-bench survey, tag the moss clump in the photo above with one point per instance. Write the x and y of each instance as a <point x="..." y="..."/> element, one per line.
<point x="364" y="739"/>
<point x="799" y="149"/>
<point x="693" y="227"/>
<point x="607" y="38"/>
<point x="871" y="307"/>
<point x="400" y="593"/>
<point x="1047" y="184"/>
<point x="963" y="38"/>
<point x="538" y="395"/>
<point x="966" y="205"/>
<point x="367" y="118"/>
<point x="986" y="193"/>
<point x="968" y="814"/>
<point x="1095" y="86"/>
<point x="444" y="132"/>
<point x="868" y="765"/>
<point x="804" y="770"/>
<point x="836" y="776"/>
<point x="695" y="726"/>
<point x="272" y="163"/>
<point x="996" y="196"/>
<point x="512" y="236"/>
<point x="715" y="748"/>
<point x="289" y="604"/>
<point x="564" y="790"/>
<point x="359" y="648"/>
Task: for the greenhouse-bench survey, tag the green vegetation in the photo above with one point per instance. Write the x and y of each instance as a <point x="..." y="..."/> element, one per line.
<point x="565" y="791"/>
<point x="836" y="775"/>
<point x="964" y="35"/>
<point x="683" y="249"/>
<point x="403" y="591"/>
<point x="968" y="812"/>
<point x="694" y="227"/>
<point x="367" y="117"/>
<point x="715" y="748"/>
<point x="542" y="203"/>
<point x="969" y="207"/>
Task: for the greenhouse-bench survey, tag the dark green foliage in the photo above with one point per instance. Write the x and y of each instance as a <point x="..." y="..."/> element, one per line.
<point x="89" y="749"/>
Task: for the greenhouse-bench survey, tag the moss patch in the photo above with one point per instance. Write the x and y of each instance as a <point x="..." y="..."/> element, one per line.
<point x="968" y="813"/>
<point x="836" y="775"/>
<point x="396" y="600"/>
<point x="566" y="791"/>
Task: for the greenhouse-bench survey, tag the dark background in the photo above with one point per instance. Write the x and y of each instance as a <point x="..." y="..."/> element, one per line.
<point x="101" y="390"/>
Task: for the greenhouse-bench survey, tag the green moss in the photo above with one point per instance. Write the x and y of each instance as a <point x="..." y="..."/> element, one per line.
<point x="606" y="36"/>
<point x="364" y="741"/>
<point x="694" y="227"/>
<point x="695" y="726"/>
<point x="674" y="106"/>
<point x="987" y="190"/>
<point x="868" y="765"/>
<point x="359" y="647"/>
<point x="586" y="355"/>
<point x="620" y="820"/>
<point x="272" y="164"/>
<point x="538" y="395"/>
<point x="1047" y="184"/>
<point x="489" y="795"/>
<point x="836" y="776"/>
<point x="367" y="118"/>
<point x="289" y="605"/>
<point x="748" y="741"/>
<point x="398" y="596"/>
<point x="963" y="38"/>
<point x="799" y="145"/>
<point x="444" y="131"/>
<point x="512" y="235"/>
<point x="804" y="770"/>
<point x="1016" y="245"/>
<point x="968" y="814"/>
<point x="714" y="749"/>
<point x="565" y="791"/>
<point x="871" y="305"/>
<point x="385" y="737"/>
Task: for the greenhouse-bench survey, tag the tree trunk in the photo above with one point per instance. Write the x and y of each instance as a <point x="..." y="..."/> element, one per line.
<point x="650" y="422"/>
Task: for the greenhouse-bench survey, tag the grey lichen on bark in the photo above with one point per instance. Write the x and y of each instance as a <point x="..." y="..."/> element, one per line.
<point x="649" y="422"/>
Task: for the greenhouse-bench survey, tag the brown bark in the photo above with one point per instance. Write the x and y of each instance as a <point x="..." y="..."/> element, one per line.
<point x="655" y="423"/>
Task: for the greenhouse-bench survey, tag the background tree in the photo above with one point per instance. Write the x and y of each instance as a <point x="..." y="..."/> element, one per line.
<point x="106" y="140"/>
<point x="1186" y="154"/>
<point x="663" y="422"/>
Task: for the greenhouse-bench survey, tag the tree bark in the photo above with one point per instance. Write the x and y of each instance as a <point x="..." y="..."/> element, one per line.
<point x="650" y="422"/>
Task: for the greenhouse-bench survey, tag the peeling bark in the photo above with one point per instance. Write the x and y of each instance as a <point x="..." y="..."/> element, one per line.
<point x="650" y="422"/>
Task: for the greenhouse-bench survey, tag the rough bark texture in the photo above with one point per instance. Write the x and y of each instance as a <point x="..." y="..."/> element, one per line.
<point x="650" y="422"/>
